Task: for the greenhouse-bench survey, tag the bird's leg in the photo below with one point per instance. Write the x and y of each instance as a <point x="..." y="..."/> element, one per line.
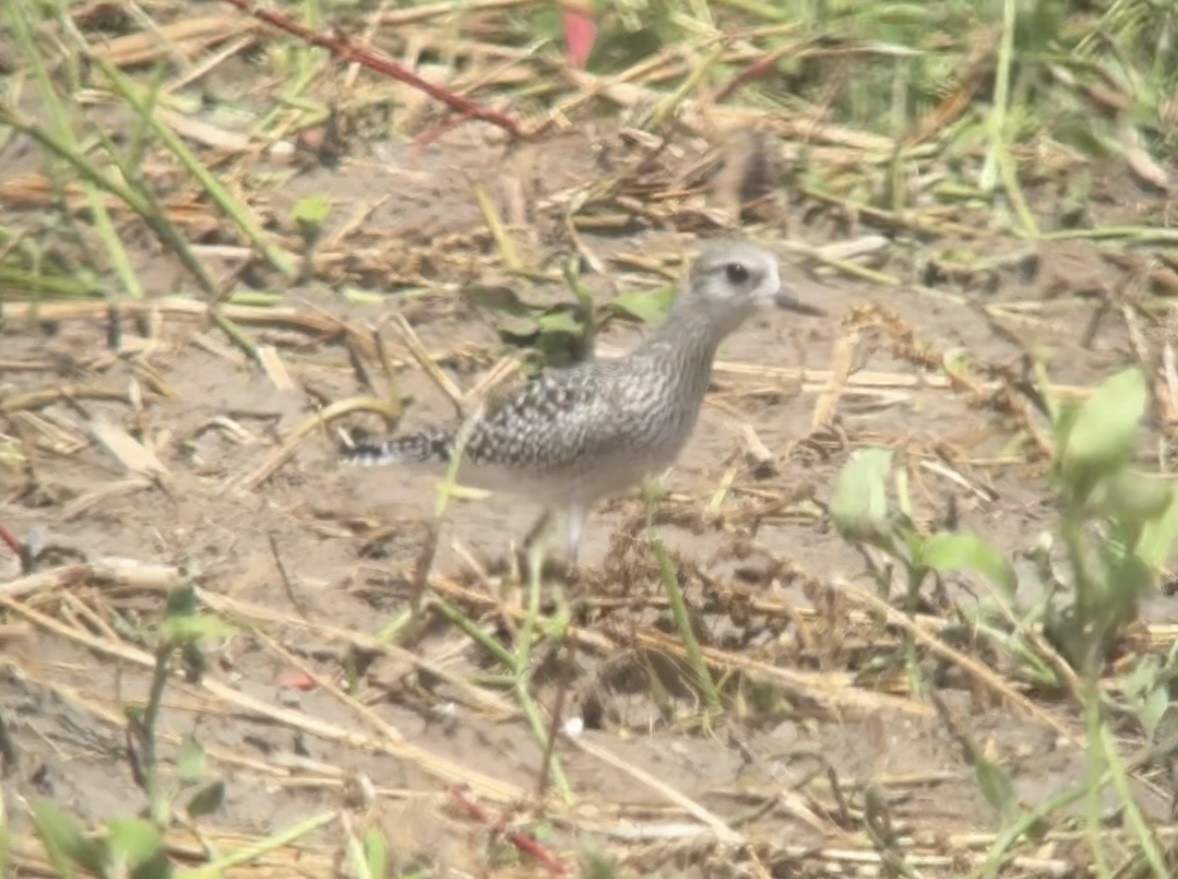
<point x="575" y="519"/>
<point x="539" y="529"/>
<point x="532" y="551"/>
<point x="575" y="525"/>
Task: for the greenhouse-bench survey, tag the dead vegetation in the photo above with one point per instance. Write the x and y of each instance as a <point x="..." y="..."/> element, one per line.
<point x="221" y="245"/>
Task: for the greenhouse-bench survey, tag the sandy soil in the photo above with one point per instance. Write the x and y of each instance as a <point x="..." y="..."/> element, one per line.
<point x="315" y="560"/>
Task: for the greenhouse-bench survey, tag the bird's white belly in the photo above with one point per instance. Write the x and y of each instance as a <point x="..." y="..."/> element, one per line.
<point x="586" y="482"/>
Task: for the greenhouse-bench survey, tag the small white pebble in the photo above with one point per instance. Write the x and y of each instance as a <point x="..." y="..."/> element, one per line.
<point x="37" y="540"/>
<point x="574" y="726"/>
<point x="367" y="789"/>
<point x="281" y="150"/>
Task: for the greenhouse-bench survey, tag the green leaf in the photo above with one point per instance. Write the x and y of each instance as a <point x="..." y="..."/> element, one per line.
<point x="1129" y="579"/>
<point x="193" y="630"/>
<point x="497" y="298"/>
<point x="376" y="853"/>
<point x="190" y="761"/>
<point x="650" y="307"/>
<point x="311" y="212"/>
<point x="950" y="551"/>
<point x="133" y="841"/>
<point x="1101" y="437"/>
<point x="1130" y="495"/>
<point x="65" y="843"/>
<point x="559" y="322"/>
<point x="1155" y="546"/>
<point x="959" y="363"/>
<point x="1067" y="412"/>
<point x="517" y="330"/>
<point x="995" y="785"/>
<point x="860" y="504"/>
<point x="520" y="323"/>
<point x="207" y="799"/>
<point x="1146" y="693"/>
<point x="158" y="867"/>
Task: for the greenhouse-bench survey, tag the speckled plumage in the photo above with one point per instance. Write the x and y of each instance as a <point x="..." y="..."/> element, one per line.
<point x="570" y="437"/>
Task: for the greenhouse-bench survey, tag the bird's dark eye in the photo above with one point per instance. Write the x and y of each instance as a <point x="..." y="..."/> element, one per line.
<point x="737" y="272"/>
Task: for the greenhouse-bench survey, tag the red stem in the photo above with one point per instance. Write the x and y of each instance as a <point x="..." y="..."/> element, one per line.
<point x="12" y="543"/>
<point x="521" y="841"/>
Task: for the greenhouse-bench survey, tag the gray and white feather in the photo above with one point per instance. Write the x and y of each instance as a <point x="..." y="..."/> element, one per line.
<point x="570" y="437"/>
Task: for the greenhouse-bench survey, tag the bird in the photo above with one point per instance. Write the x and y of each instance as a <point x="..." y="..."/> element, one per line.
<point x="570" y="437"/>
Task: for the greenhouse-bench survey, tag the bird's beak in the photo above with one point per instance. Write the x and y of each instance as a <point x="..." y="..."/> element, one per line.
<point x="788" y="302"/>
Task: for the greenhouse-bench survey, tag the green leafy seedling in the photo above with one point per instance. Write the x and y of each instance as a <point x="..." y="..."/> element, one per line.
<point x="131" y="847"/>
<point x="135" y="848"/>
<point x="309" y="215"/>
<point x="1096" y="439"/>
<point x="1147" y="691"/>
<point x="184" y="630"/>
<point x="649" y="306"/>
<point x="947" y="551"/>
<point x="863" y="515"/>
<point x="206" y="794"/>
<point x="860" y="504"/>
<point x="376" y="853"/>
<point x="1118" y="524"/>
<point x="558" y="331"/>
<point x="67" y="846"/>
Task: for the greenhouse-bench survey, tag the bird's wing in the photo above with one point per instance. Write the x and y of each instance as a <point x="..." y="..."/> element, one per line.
<point x="553" y="420"/>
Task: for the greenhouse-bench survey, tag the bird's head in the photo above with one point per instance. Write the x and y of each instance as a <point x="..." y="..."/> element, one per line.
<point x="731" y="280"/>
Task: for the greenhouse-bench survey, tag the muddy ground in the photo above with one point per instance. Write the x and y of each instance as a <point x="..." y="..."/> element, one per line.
<point x="314" y="560"/>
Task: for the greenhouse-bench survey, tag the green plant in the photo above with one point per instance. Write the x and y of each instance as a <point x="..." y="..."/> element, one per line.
<point x="1117" y="525"/>
<point x="184" y="629"/>
<point x="126" y="848"/>
<point x="134" y="847"/>
<point x="863" y="515"/>
<point x="309" y="215"/>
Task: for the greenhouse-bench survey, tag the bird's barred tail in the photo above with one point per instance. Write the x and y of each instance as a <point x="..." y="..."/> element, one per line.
<point x="426" y="447"/>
